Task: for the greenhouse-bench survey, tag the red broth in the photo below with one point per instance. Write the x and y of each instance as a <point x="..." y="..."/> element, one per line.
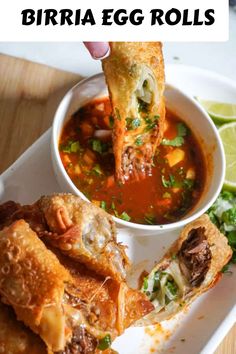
<point x="173" y="189"/>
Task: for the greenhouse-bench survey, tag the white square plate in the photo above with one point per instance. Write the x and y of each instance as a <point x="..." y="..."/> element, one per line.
<point x="202" y="328"/>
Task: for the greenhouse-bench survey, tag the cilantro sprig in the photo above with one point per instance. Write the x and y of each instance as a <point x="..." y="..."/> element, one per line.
<point x="182" y="131"/>
<point x="223" y="214"/>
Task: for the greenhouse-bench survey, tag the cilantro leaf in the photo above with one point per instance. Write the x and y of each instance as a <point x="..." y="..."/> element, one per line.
<point x="139" y="141"/>
<point x="125" y="216"/>
<point x="111" y="121"/>
<point x="150" y="219"/>
<point x="177" y="141"/>
<point x="104" y="343"/>
<point x="97" y="145"/>
<point x="132" y="123"/>
<point x="182" y="129"/>
<point x="168" y="183"/>
<point x="103" y="204"/>
<point x="70" y="147"/>
<point x="97" y="170"/>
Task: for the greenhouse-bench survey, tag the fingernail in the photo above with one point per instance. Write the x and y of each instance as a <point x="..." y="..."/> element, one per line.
<point x="102" y="52"/>
<point x="104" y="56"/>
<point x="98" y="50"/>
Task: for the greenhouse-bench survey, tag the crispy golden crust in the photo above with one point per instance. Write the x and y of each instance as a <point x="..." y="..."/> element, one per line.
<point x="15" y="338"/>
<point x="108" y="305"/>
<point x="132" y="306"/>
<point x="129" y="65"/>
<point x="86" y="233"/>
<point x="220" y="256"/>
<point x="32" y="279"/>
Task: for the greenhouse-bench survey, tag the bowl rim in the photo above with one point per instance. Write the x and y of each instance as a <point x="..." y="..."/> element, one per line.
<point x="165" y="227"/>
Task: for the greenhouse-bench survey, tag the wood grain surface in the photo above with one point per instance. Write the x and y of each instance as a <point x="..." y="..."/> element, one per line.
<point x="29" y="95"/>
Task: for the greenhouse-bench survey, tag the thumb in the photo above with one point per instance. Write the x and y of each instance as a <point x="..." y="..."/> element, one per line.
<point x="98" y="50"/>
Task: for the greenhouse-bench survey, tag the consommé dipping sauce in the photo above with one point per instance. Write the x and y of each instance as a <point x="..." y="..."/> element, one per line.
<point x="173" y="189"/>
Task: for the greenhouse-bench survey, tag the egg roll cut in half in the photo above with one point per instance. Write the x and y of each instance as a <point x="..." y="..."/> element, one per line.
<point x="107" y="305"/>
<point x="15" y="338"/>
<point x="134" y="73"/>
<point x="85" y="233"/>
<point x="35" y="284"/>
<point x="192" y="265"/>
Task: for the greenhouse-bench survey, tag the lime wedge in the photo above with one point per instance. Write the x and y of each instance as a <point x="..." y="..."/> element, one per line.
<point x="228" y="137"/>
<point x="219" y="112"/>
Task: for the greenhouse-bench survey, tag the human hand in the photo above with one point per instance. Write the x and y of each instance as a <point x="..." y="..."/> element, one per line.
<point x="98" y="50"/>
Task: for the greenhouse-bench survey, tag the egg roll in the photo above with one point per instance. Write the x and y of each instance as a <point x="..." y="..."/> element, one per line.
<point x="108" y="305"/>
<point x="15" y="338"/>
<point x="134" y="73"/>
<point x="35" y="284"/>
<point x="191" y="266"/>
<point x="85" y="233"/>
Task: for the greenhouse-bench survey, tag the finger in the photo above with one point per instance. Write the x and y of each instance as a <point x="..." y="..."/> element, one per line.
<point x="98" y="50"/>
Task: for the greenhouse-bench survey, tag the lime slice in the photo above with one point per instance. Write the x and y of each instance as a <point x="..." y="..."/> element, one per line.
<point x="219" y="112"/>
<point x="228" y="137"/>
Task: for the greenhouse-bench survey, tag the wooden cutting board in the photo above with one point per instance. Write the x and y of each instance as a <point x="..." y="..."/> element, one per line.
<point x="29" y="96"/>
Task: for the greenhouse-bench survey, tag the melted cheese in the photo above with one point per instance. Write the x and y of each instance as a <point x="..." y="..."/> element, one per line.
<point x="52" y="327"/>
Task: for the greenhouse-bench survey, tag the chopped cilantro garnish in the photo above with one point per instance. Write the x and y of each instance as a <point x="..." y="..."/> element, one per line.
<point x="168" y="183"/>
<point x="97" y="170"/>
<point x="150" y="126"/>
<point x="75" y="146"/>
<point x="182" y="129"/>
<point x="103" y="204"/>
<point x="229" y="216"/>
<point x="188" y="183"/>
<point x="177" y="141"/>
<point x="105" y="342"/>
<point x="132" y="123"/>
<point x="111" y="121"/>
<point x="139" y="141"/>
<point x="99" y="146"/>
<point x="148" y="120"/>
<point x="150" y="219"/>
<point x="125" y="216"/>
<point x="223" y="214"/>
<point x="70" y="147"/>
<point x="113" y="206"/>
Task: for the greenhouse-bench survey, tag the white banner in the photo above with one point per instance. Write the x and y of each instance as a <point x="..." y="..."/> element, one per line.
<point x="107" y="20"/>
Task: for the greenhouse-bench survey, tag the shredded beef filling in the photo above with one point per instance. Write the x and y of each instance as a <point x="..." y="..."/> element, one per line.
<point x="195" y="257"/>
<point x="82" y="343"/>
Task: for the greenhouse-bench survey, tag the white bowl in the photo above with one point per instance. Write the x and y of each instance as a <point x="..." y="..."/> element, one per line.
<point x="186" y="108"/>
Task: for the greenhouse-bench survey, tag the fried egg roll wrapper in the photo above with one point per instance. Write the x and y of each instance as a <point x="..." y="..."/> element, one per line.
<point x="33" y="282"/>
<point x="85" y="233"/>
<point x="11" y="211"/>
<point x="15" y="338"/>
<point x="108" y="305"/>
<point x="192" y="265"/>
<point x="134" y="73"/>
